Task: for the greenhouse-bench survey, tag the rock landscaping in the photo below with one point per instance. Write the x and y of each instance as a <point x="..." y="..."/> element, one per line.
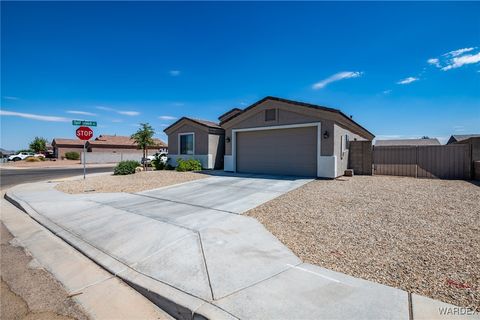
<point x="420" y="235"/>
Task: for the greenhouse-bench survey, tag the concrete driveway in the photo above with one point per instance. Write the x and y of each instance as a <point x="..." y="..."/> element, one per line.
<point x="188" y="248"/>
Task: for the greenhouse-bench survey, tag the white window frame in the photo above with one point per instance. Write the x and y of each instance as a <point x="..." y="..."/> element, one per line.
<point x="318" y="125"/>
<point x="180" y="146"/>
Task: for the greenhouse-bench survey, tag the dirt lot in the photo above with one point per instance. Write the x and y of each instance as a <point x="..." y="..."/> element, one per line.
<point x="420" y="235"/>
<point x="29" y="293"/>
<point x="129" y="183"/>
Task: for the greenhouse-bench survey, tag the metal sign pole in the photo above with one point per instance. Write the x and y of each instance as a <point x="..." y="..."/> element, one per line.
<point x="84" y="159"/>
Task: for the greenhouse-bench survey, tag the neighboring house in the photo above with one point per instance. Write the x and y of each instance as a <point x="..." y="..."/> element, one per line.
<point x="113" y="143"/>
<point x="275" y="136"/>
<point x="461" y="137"/>
<point x="407" y="142"/>
<point x="61" y="146"/>
<point x="196" y="139"/>
<point x="107" y="145"/>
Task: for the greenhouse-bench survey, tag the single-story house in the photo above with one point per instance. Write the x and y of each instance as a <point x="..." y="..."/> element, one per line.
<point x="61" y="146"/>
<point x="407" y="142"/>
<point x="461" y="137"/>
<point x="114" y="143"/>
<point x="107" y="144"/>
<point x="276" y="136"/>
<point x="203" y="140"/>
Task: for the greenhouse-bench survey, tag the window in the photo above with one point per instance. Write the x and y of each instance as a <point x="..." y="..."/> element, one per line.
<point x="270" y="115"/>
<point x="186" y="143"/>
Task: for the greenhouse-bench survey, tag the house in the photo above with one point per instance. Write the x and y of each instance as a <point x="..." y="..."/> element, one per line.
<point x="274" y="136"/>
<point x="407" y="142"/>
<point x="108" y="148"/>
<point x="114" y="143"/>
<point x="461" y="137"/>
<point x="61" y="146"/>
<point x="190" y="138"/>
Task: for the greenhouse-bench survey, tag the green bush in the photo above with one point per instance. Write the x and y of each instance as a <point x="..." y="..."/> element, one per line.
<point x="126" y="167"/>
<point x="157" y="163"/>
<point x="72" y="155"/>
<point x="188" y="165"/>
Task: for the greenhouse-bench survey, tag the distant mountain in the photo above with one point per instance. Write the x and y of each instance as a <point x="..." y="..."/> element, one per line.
<point x="3" y="151"/>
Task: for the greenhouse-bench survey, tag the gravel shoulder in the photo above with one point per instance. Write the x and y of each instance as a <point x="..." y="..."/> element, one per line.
<point x="137" y="182"/>
<point x="420" y="235"/>
<point x="28" y="292"/>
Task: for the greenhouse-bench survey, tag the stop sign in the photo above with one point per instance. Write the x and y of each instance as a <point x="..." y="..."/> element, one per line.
<point x="84" y="133"/>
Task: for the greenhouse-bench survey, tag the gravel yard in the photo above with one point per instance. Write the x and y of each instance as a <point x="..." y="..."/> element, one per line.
<point x="420" y="235"/>
<point x="137" y="182"/>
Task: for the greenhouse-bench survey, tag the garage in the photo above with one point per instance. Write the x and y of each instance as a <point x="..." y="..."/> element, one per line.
<point x="291" y="151"/>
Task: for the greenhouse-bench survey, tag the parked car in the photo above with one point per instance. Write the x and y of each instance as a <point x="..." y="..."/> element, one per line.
<point x="148" y="159"/>
<point x="24" y="155"/>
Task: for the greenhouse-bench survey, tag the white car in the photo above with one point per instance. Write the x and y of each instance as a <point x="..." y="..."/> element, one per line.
<point x="163" y="158"/>
<point x="24" y="155"/>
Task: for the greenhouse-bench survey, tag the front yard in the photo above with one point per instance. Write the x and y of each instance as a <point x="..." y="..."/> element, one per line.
<point x="420" y="235"/>
<point x="137" y="182"/>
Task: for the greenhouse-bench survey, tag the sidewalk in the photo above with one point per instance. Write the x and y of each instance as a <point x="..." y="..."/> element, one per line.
<point x="195" y="256"/>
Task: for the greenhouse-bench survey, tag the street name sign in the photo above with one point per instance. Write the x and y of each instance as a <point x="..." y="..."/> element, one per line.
<point x="84" y="123"/>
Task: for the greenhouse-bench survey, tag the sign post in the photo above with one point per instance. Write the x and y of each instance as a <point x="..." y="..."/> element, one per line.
<point x="85" y="134"/>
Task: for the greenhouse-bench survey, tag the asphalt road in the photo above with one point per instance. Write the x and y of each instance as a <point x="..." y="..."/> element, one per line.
<point x="11" y="177"/>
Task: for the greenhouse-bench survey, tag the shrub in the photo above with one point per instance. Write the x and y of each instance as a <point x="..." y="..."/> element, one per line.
<point x="188" y="165"/>
<point x="32" y="159"/>
<point x="72" y="155"/>
<point x="158" y="163"/>
<point x="126" y="167"/>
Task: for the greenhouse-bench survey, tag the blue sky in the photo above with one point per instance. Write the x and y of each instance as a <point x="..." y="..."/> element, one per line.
<point x="401" y="69"/>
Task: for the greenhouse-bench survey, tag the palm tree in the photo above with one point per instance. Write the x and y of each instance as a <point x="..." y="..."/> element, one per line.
<point x="144" y="139"/>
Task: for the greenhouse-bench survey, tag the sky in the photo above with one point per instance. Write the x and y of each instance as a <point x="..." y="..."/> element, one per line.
<point x="402" y="70"/>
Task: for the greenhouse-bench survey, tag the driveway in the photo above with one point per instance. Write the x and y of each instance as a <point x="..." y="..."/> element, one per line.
<point x="188" y="248"/>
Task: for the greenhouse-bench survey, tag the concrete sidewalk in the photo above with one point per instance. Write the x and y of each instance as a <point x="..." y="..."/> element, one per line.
<point x="189" y="249"/>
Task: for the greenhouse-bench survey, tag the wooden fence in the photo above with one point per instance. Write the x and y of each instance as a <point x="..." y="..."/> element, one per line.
<point x="443" y="162"/>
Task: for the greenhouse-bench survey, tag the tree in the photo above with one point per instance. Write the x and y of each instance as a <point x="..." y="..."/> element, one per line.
<point x="144" y="139"/>
<point x="38" y="144"/>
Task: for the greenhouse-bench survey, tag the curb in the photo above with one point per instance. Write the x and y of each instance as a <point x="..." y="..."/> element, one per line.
<point x="176" y="303"/>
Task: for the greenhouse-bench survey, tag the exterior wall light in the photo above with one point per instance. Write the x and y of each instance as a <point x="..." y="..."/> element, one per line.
<point x="227" y="139"/>
<point x="326" y="135"/>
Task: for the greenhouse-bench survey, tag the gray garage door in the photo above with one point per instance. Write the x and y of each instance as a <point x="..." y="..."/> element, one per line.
<point x="278" y="151"/>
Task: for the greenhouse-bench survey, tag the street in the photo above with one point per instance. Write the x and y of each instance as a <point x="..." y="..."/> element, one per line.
<point x="11" y="177"/>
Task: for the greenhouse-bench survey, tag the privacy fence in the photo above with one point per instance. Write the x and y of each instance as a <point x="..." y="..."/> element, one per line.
<point x="442" y="162"/>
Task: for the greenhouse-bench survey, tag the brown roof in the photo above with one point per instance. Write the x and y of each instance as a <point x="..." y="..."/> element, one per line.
<point x="461" y="137"/>
<point x="112" y="140"/>
<point x="206" y="123"/>
<point x="407" y="142"/>
<point x="69" y="142"/>
<point x="230" y="113"/>
<point x="298" y="103"/>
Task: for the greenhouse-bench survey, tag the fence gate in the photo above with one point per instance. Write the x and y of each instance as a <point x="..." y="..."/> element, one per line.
<point x="443" y="162"/>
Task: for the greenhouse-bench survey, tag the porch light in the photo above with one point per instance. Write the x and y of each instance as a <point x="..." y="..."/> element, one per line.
<point x="326" y="135"/>
<point x="227" y="139"/>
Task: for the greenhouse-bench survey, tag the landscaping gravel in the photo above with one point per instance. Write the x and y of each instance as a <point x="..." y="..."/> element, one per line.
<point x="137" y="182"/>
<point x="420" y="235"/>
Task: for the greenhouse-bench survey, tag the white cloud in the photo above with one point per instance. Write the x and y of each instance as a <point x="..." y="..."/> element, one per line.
<point x="408" y="80"/>
<point x="387" y="91"/>
<point x="83" y="113"/>
<point x="11" y="98"/>
<point x="163" y="125"/>
<point x="129" y="113"/>
<point x="174" y="73"/>
<point x="434" y="61"/>
<point x="336" y="77"/>
<point x="458" y="62"/>
<point x="117" y="120"/>
<point x="167" y="118"/>
<point x="458" y="52"/>
<point x="122" y="112"/>
<point x="33" y="116"/>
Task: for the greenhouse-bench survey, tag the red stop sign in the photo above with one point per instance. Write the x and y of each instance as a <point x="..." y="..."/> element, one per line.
<point x="84" y="133"/>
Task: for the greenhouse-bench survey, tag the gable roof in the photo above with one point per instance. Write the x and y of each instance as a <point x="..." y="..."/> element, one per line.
<point x="205" y="123"/>
<point x="407" y="142"/>
<point x="301" y="104"/>
<point x="68" y="142"/>
<point x="461" y="137"/>
<point x="231" y="113"/>
<point x="124" y="141"/>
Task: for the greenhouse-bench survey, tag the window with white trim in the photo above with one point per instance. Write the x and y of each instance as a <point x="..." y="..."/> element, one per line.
<point x="186" y="143"/>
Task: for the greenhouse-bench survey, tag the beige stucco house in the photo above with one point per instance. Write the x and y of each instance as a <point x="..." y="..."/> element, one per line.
<point x="190" y="138"/>
<point x="281" y="137"/>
